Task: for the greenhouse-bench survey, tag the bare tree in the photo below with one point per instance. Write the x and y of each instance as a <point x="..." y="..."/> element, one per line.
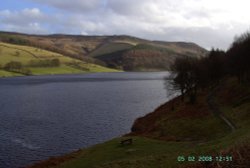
<point x="185" y="79"/>
<point x="239" y="57"/>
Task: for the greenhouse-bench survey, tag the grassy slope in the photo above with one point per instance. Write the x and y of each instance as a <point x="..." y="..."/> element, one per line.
<point x="99" y="47"/>
<point x="110" y="48"/>
<point x="8" y="74"/>
<point x="141" y="57"/>
<point x="24" y="54"/>
<point x="189" y="130"/>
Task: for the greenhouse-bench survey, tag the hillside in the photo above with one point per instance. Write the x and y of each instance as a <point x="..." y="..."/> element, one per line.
<point x="18" y="60"/>
<point x="185" y="130"/>
<point x="120" y="52"/>
<point x="206" y="126"/>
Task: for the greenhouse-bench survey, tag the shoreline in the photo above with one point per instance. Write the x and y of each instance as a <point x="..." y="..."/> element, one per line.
<point x="152" y="145"/>
<point x="84" y="73"/>
<point x="54" y="161"/>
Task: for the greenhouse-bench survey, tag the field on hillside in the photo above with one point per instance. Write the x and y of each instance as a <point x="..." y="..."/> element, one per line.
<point x="141" y="57"/>
<point x="118" y="51"/>
<point x="25" y="55"/>
<point x="110" y="48"/>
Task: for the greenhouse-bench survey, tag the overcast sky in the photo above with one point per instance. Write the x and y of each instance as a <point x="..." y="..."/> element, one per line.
<point x="209" y="23"/>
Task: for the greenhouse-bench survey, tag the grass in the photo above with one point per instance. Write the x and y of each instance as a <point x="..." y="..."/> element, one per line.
<point x="143" y="151"/>
<point x="152" y="47"/>
<point x="184" y="122"/>
<point x="110" y="48"/>
<point x="63" y="69"/>
<point x="194" y="129"/>
<point x="24" y="54"/>
<point x="55" y="70"/>
<point x="208" y="136"/>
<point x="149" y="153"/>
<point x="8" y="74"/>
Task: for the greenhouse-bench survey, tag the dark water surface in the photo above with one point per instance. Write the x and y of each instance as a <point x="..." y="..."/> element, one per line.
<point x="43" y="116"/>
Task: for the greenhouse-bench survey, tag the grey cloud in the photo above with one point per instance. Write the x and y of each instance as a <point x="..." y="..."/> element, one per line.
<point x="197" y="14"/>
<point x="131" y="7"/>
<point x="204" y="36"/>
<point x="167" y="20"/>
<point x="148" y="10"/>
<point x="128" y="7"/>
<point x="26" y="20"/>
<point x="31" y="28"/>
<point x="72" y="6"/>
<point x="23" y="17"/>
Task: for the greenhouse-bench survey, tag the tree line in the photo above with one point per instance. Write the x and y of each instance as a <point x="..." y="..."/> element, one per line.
<point x="192" y="73"/>
<point x="18" y="67"/>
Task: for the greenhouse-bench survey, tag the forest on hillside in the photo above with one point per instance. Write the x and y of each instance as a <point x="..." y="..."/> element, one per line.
<point x="192" y="73"/>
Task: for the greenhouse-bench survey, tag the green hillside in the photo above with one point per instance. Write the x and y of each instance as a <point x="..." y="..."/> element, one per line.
<point x="110" y="48"/>
<point x="119" y="51"/>
<point x="141" y="57"/>
<point x="37" y="61"/>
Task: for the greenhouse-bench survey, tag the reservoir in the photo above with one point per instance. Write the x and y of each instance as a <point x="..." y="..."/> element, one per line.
<point x="44" y="116"/>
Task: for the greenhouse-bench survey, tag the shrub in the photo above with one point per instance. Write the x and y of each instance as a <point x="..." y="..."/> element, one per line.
<point x="45" y="63"/>
<point x="13" y="65"/>
<point x="55" y="62"/>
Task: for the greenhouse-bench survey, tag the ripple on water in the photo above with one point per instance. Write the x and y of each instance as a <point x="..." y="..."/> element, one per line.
<point x="24" y="144"/>
<point x="44" y="116"/>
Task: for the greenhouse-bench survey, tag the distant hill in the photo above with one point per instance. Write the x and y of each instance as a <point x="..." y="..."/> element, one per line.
<point x="121" y="52"/>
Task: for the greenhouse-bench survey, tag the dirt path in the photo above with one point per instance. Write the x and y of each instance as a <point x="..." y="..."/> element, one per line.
<point x="216" y="110"/>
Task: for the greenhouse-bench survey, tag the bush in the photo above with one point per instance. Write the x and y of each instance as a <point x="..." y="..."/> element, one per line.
<point x="55" y="62"/>
<point x="13" y="65"/>
<point x="77" y="65"/>
<point x="45" y="63"/>
<point x="26" y="71"/>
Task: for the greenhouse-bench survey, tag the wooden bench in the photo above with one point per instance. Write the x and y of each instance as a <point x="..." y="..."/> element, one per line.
<point x="127" y="141"/>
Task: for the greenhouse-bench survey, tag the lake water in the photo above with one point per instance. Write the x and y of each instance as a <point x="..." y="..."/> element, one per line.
<point x="43" y="116"/>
